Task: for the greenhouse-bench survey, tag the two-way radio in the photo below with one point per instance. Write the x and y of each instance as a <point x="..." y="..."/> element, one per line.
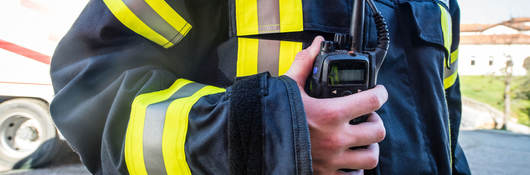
<point x="338" y="71"/>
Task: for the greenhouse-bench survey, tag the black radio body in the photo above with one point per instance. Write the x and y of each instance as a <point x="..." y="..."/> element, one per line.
<point x="339" y="73"/>
<point x="342" y="68"/>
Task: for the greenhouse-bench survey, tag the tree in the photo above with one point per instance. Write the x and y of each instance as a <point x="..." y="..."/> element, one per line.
<point x="524" y="91"/>
<point x="507" y="93"/>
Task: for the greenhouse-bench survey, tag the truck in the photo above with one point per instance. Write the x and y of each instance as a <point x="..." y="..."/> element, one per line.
<point x="31" y="29"/>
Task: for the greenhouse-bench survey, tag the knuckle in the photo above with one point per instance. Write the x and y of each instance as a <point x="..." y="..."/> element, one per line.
<point x="373" y="101"/>
<point x="336" y="143"/>
<point x="380" y="134"/>
<point x="372" y="162"/>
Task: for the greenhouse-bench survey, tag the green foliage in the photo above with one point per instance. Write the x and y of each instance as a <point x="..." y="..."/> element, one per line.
<point x="490" y="89"/>
<point x="523" y="88"/>
<point x="522" y="93"/>
<point x="486" y="89"/>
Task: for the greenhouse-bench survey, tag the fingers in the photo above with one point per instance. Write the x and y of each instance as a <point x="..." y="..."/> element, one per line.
<point x="366" y="133"/>
<point x="360" y="158"/>
<point x="356" y="105"/>
<point x="354" y="172"/>
<point x="303" y="62"/>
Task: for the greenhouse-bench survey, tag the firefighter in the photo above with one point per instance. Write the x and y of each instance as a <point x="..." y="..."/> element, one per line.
<point x="215" y="87"/>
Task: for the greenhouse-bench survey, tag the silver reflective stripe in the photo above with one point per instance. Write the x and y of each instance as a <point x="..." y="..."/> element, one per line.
<point x="451" y="70"/>
<point x="155" y="116"/>
<point x="147" y="15"/>
<point x="268" y="16"/>
<point x="268" y="56"/>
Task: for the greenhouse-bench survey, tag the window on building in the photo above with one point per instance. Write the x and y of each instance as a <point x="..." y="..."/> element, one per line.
<point x="491" y="61"/>
<point x="472" y="62"/>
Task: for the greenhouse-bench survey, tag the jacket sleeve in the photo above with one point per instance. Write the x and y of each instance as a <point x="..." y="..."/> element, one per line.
<point x="453" y="94"/>
<point x="126" y="103"/>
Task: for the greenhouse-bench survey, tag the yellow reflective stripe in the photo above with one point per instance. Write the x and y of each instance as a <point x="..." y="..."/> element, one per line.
<point x="288" y="51"/>
<point x="247" y="17"/>
<point x="454" y="56"/>
<point x="247" y="57"/>
<point x="446" y="28"/>
<point x="450" y="81"/>
<point x="291" y="16"/>
<point x="171" y="16"/>
<point x="175" y="128"/>
<point x="134" y="156"/>
<point x="446" y="23"/>
<point x="130" y="20"/>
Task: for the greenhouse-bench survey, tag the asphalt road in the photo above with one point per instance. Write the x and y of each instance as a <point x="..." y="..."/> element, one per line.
<point x="488" y="152"/>
<point x="496" y="152"/>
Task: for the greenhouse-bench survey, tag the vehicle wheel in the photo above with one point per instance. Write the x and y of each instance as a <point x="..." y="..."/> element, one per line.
<point x="28" y="137"/>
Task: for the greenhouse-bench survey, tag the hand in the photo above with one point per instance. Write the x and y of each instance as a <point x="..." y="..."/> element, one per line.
<point x="331" y="134"/>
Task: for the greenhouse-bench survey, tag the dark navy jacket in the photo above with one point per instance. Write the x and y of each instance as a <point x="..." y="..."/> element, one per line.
<point x="150" y="86"/>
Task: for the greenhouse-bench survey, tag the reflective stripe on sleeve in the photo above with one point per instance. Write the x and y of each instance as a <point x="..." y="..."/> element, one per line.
<point x="288" y="51"/>
<point x="157" y="128"/>
<point x="291" y="16"/>
<point x="261" y="55"/>
<point x="175" y="129"/>
<point x="446" y="28"/>
<point x="268" y="53"/>
<point x="134" y="151"/>
<point x="268" y="16"/>
<point x="450" y="67"/>
<point x="451" y="72"/>
<point x="247" y="17"/>
<point x="170" y="16"/>
<point x="247" y="57"/>
<point x="153" y="19"/>
<point x="154" y="122"/>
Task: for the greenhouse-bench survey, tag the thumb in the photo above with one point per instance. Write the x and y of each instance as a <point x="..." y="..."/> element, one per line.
<point x="303" y="62"/>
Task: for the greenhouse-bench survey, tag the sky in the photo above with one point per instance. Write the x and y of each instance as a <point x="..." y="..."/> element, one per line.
<point x="492" y="11"/>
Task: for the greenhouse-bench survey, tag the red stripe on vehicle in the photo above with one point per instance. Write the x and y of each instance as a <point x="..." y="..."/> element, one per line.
<point x="41" y="84"/>
<point x="25" y="52"/>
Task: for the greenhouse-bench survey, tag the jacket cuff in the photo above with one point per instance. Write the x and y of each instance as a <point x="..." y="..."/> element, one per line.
<point x="268" y="133"/>
<point x="300" y="127"/>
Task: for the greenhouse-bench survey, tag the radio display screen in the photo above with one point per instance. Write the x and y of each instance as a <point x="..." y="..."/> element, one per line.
<point x="347" y="72"/>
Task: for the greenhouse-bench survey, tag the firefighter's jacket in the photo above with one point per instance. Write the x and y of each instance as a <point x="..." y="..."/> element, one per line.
<point x="176" y="86"/>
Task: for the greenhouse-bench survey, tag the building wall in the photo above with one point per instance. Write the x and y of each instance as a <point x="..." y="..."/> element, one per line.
<point x="491" y="59"/>
<point x="500" y="30"/>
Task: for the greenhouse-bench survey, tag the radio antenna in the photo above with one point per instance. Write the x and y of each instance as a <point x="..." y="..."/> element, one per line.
<point x="357" y="26"/>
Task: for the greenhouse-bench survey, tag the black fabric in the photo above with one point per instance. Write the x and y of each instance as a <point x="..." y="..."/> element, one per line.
<point x="100" y="66"/>
<point x="300" y="128"/>
<point x="284" y="133"/>
<point x="454" y="100"/>
<point x="245" y="126"/>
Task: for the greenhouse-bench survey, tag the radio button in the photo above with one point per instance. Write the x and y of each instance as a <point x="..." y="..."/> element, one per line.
<point x="346" y="93"/>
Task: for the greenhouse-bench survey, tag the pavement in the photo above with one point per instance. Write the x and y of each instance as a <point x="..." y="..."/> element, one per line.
<point x="66" y="163"/>
<point x="488" y="152"/>
<point x="496" y="152"/>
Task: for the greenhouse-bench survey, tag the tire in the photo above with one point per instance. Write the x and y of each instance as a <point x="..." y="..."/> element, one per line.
<point x="28" y="137"/>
